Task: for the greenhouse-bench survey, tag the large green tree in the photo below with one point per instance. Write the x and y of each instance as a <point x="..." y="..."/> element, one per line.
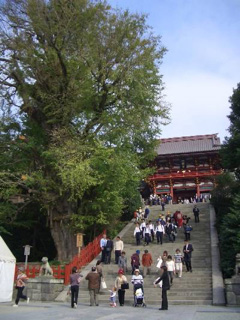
<point x="226" y="195"/>
<point x="231" y="147"/>
<point x="82" y="107"/>
<point x="230" y="237"/>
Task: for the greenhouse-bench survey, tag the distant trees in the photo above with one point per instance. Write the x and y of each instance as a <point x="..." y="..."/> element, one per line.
<point x="81" y="110"/>
<point x="226" y="196"/>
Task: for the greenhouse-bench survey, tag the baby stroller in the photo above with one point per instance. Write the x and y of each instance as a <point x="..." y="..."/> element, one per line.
<point x="138" y="295"/>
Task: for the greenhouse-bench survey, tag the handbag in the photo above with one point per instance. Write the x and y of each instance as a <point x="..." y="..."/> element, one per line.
<point x="125" y="286"/>
<point x="103" y="284"/>
<point x="159" y="263"/>
<point x="159" y="283"/>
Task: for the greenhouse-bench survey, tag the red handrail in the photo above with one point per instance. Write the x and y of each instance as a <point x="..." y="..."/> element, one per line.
<point x="86" y="255"/>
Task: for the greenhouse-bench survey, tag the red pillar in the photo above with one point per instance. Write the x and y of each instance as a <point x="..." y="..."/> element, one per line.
<point x="171" y="188"/>
<point x="198" y="190"/>
<point x="154" y="187"/>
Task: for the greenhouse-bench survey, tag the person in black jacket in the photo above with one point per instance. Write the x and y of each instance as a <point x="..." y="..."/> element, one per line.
<point x="196" y="213"/>
<point x="187" y="250"/>
<point x="109" y="248"/>
<point x="165" y="286"/>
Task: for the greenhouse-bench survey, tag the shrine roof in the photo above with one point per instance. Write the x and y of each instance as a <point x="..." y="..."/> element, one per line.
<point x="190" y="144"/>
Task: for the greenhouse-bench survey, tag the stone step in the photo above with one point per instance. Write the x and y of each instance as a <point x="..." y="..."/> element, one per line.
<point x="186" y="278"/>
<point x="151" y="293"/>
<point x="176" y="287"/>
<point x="157" y="300"/>
<point x="153" y="302"/>
<point x="193" y="288"/>
<point x="154" y="271"/>
<point x="183" y="284"/>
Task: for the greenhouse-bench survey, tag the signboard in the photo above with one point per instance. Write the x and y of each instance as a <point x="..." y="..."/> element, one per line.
<point x="79" y="240"/>
<point x="26" y="253"/>
<point x="27" y="250"/>
<point x="166" y="190"/>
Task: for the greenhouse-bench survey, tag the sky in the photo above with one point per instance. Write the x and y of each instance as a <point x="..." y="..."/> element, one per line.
<point x="202" y="65"/>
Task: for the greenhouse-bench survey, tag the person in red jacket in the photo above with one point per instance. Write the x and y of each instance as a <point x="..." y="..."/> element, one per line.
<point x="146" y="262"/>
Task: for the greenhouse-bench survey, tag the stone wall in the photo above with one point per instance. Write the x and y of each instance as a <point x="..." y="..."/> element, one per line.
<point x="44" y="288"/>
<point x="233" y="286"/>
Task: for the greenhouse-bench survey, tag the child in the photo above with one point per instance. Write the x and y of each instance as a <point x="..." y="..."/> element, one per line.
<point x="178" y="262"/>
<point x="113" y="297"/>
<point x="122" y="262"/>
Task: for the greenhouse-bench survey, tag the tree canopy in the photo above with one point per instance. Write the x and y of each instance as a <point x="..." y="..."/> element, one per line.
<point x="226" y="196"/>
<point x="82" y="107"/>
<point x="231" y="146"/>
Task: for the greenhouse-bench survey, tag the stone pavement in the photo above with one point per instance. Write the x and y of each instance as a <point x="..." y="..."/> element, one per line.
<point x="62" y="311"/>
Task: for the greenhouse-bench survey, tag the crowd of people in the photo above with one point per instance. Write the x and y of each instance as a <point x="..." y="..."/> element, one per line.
<point x="169" y="266"/>
<point x="165" y="228"/>
<point x="162" y="200"/>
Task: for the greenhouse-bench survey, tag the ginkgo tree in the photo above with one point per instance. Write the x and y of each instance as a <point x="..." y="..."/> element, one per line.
<point x="81" y="90"/>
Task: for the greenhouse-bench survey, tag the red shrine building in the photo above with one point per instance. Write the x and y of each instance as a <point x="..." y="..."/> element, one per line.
<point x="186" y="166"/>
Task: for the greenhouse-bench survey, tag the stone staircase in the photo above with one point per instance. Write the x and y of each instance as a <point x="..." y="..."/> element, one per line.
<point x="193" y="288"/>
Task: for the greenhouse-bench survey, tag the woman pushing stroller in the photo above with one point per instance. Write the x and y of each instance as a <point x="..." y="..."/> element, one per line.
<point x="138" y="292"/>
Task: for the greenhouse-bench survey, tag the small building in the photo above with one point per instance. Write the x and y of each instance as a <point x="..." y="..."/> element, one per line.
<point x="186" y="166"/>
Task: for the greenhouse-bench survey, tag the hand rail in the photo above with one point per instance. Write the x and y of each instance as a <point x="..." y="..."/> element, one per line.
<point x="86" y="255"/>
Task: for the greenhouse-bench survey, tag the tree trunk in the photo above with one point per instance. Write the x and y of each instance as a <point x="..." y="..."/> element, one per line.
<point x="64" y="240"/>
<point x="63" y="237"/>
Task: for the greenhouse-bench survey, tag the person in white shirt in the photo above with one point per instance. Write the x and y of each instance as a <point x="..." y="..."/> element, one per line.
<point x="147" y="234"/>
<point x="159" y="232"/>
<point x="137" y="234"/>
<point x="103" y="243"/>
<point x="151" y="226"/>
<point x="170" y="268"/>
<point x="137" y="281"/>
<point x="118" y="248"/>
<point x="142" y="228"/>
<point x="138" y="216"/>
<point x="137" y="277"/>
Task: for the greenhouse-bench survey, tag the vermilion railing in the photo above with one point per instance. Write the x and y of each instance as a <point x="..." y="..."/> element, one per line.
<point x="86" y="255"/>
<point x="185" y="174"/>
<point x="32" y="271"/>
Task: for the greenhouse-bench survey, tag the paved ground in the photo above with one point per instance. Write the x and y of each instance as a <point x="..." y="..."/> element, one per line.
<point x="62" y="311"/>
